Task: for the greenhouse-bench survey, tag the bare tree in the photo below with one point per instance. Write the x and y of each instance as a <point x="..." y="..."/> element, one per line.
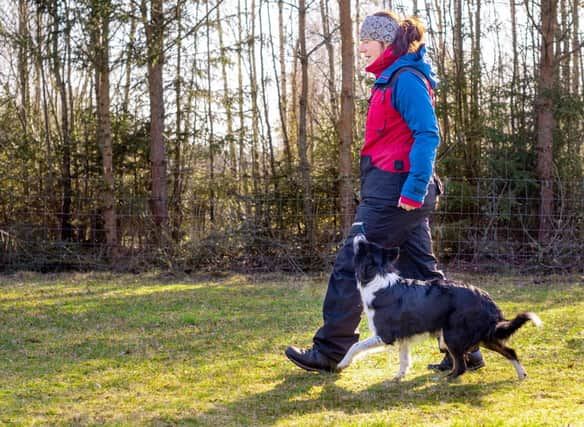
<point x="129" y="59"/>
<point x="283" y="100"/>
<point x="101" y="13"/>
<point x="576" y="48"/>
<point x="327" y="35"/>
<point x="210" y="122"/>
<point x="176" y="207"/>
<point x="227" y="101"/>
<point x="475" y="123"/>
<point x="347" y="115"/>
<point x="23" y="69"/>
<point x="545" y="118"/>
<point x="268" y="126"/>
<point x="302" y="134"/>
<point x="253" y="82"/>
<point x="57" y="69"/>
<point x="154" y="26"/>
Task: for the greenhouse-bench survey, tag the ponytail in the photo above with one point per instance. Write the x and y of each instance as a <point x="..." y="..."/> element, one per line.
<point x="409" y="36"/>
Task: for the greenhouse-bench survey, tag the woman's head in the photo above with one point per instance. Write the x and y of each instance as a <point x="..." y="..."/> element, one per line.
<point x="377" y="32"/>
<point x="382" y="29"/>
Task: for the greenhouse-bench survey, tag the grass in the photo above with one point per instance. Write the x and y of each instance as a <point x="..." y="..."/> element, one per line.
<point x="100" y="349"/>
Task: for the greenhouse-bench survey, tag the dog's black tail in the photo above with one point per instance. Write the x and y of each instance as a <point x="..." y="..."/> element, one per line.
<point x="506" y="328"/>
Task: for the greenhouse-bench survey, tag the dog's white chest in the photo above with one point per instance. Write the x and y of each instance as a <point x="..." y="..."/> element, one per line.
<point x="368" y="295"/>
<point x="370" y="315"/>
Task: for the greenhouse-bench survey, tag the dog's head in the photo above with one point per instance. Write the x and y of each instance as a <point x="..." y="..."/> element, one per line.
<point x="372" y="260"/>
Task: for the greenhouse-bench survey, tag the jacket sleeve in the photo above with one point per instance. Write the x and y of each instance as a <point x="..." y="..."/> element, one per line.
<point x="412" y="100"/>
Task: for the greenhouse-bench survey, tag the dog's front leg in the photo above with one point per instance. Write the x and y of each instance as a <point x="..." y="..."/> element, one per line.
<point x="405" y="360"/>
<point x="358" y="348"/>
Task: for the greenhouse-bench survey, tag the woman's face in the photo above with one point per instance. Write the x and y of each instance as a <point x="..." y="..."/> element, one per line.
<point x="371" y="50"/>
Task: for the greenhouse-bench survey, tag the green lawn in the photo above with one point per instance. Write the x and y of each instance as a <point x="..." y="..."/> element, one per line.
<point x="94" y="349"/>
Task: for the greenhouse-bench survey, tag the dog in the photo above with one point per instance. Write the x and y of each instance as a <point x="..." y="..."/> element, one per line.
<point x="461" y="316"/>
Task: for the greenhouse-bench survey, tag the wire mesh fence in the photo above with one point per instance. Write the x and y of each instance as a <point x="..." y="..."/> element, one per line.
<point x="236" y="225"/>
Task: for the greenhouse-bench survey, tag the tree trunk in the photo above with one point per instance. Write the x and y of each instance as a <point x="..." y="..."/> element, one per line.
<point x="514" y="73"/>
<point x="66" y="201"/>
<point x="576" y="49"/>
<point x="302" y="134"/>
<point x="545" y="119"/>
<point x="347" y="116"/>
<point x="272" y="158"/>
<point x="129" y="59"/>
<point x="283" y="95"/>
<point x="104" y="130"/>
<point x="23" y="69"/>
<point x="176" y="204"/>
<point x="227" y="102"/>
<point x="460" y="92"/>
<point x="255" y="173"/>
<point x="324" y="11"/>
<point x="210" y="120"/>
<point x="158" y="158"/>
<point x="243" y="181"/>
<point x="475" y="123"/>
<point x="441" y="66"/>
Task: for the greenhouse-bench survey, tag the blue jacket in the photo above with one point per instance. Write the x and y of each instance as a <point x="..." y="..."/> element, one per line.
<point x="402" y="130"/>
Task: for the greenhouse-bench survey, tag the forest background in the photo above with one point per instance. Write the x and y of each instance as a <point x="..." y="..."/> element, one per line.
<point x="225" y="134"/>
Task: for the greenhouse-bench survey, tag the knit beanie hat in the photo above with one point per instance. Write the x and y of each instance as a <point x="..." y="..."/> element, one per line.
<point x="380" y="28"/>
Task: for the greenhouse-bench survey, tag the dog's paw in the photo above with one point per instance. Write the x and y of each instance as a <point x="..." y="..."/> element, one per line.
<point x="341" y="366"/>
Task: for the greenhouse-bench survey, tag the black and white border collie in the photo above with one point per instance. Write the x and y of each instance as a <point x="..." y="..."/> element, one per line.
<point x="398" y="309"/>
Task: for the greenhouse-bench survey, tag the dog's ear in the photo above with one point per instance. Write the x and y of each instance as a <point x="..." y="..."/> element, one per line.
<point x="389" y="257"/>
<point x="359" y="243"/>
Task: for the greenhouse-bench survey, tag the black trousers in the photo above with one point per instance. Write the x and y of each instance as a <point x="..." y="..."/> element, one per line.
<point x="384" y="223"/>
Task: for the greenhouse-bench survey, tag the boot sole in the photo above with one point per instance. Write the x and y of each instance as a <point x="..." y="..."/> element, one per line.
<point x="307" y="367"/>
<point x="468" y="368"/>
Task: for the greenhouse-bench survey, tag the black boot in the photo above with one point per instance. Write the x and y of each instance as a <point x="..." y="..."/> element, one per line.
<point x="474" y="360"/>
<point x="444" y="365"/>
<point x="310" y="359"/>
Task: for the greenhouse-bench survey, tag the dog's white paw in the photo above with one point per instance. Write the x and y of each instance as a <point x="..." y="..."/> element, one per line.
<point x="342" y="365"/>
<point x="521" y="374"/>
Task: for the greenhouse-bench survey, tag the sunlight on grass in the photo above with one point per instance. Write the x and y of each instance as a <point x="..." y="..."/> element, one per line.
<point x="94" y="349"/>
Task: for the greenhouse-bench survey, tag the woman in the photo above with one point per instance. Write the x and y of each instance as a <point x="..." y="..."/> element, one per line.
<point x="398" y="187"/>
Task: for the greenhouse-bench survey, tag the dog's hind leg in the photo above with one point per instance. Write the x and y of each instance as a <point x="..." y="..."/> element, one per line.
<point x="458" y="364"/>
<point x="405" y="359"/>
<point x="508" y="353"/>
<point x="358" y="348"/>
<point x="456" y="343"/>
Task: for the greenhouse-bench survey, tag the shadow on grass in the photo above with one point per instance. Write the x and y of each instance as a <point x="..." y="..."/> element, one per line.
<point x="300" y="394"/>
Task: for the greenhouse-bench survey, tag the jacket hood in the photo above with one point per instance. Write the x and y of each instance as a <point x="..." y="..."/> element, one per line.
<point x="417" y="60"/>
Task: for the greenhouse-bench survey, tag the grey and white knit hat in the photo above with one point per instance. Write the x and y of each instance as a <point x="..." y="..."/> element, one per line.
<point x="380" y="28"/>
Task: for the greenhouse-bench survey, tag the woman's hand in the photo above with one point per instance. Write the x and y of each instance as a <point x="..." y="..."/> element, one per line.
<point x="405" y="206"/>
